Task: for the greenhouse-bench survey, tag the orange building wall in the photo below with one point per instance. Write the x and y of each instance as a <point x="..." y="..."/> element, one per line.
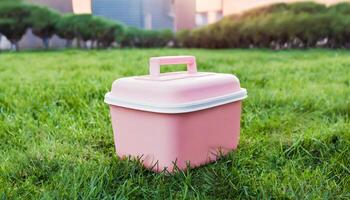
<point x="208" y="5"/>
<point x="81" y="6"/>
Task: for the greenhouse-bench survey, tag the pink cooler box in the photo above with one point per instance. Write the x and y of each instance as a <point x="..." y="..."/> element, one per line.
<point x="178" y="118"/>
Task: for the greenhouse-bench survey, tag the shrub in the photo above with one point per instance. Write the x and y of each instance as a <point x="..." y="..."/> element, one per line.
<point x="43" y="23"/>
<point x="82" y="28"/>
<point x="229" y="33"/>
<point x="85" y="27"/>
<point x="166" y="37"/>
<point x="306" y="7"/>
<point x="109" y="32"/>
<point x="66" y="29"/>
<point x="339" y="33"/>
<point x="340" y="8"/>
<point x="303" y="24"/>
<point x="273" y="8"/>
<point x="135" y="37"/>
<point x="14" y="21"/>
<point x="131" y="37"/>
<point x="16" y="18"/>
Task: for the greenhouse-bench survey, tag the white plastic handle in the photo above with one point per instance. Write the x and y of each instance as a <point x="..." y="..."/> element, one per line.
<point x="156" y="62"/>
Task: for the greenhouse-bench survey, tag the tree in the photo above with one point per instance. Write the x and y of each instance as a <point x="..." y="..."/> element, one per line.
<point x="110" y="33"/>
<point x="86" y="27"/>
<point x="307" y="7"/>
<point x="97" y="29"/>
<point x="43" y="23"/>
<point x="82" y="27"/>
<point x="66" y="28"/>
<point x="14" y="21"/>
<point x="340" y="8"/>
<point x="131" y="37"/>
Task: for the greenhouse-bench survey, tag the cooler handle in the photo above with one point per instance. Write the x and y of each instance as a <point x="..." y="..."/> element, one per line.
<point x="156" y="62"/>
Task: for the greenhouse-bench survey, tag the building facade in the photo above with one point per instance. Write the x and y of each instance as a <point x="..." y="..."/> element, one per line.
<point x="185" y="15"/>
<point x="145" y="14"/>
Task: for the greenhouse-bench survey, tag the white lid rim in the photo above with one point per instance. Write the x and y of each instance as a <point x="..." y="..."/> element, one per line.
<point x="179" y="108"/>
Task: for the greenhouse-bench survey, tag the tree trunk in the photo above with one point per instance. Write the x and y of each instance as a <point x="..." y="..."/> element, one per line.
<point x="0" y="41"/>
<point x="68" y="43"/>
<point x="93" y="44"/>
<point x="46" y="42"/>
<point x="84" y="44"/>
<point x="14" y="46"/>
<point x="17" y="46"/>
<point x="78" y="42"/>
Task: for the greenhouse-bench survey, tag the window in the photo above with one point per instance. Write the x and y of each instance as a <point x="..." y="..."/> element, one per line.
<point x="218" y="15"/>
<point x="148" y="21"/>
<point x="201" y="19"/>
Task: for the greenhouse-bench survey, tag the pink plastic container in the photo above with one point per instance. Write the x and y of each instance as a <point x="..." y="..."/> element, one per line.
<point x="182" y="118"/>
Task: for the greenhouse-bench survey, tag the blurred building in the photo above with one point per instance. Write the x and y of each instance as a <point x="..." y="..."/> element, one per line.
<point x="185" y="15"/>
<point x="81" y="6"/>
<point x="208" y="11"/>
<point x="64" y="6"/>
<point x="146" y="14"/>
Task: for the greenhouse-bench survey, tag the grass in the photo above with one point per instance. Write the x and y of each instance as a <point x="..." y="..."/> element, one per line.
<point x="56" y="138"/>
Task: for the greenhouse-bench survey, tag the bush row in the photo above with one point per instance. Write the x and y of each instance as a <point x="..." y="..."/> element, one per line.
<point x="135" y="37"/>
<point x="17" y="17"/>
<point x="296" y="25"/>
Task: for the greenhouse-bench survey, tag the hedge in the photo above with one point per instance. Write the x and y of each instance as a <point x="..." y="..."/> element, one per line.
<point x="17" y="17"/>
<point x="135" y="37"/>
<point x="296" y="25"/>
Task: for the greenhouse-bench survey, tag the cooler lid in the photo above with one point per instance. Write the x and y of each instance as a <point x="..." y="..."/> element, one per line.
<point x="175" y="92"/>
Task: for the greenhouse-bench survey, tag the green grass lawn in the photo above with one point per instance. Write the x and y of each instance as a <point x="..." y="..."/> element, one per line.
<point x="56" y="138"/>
